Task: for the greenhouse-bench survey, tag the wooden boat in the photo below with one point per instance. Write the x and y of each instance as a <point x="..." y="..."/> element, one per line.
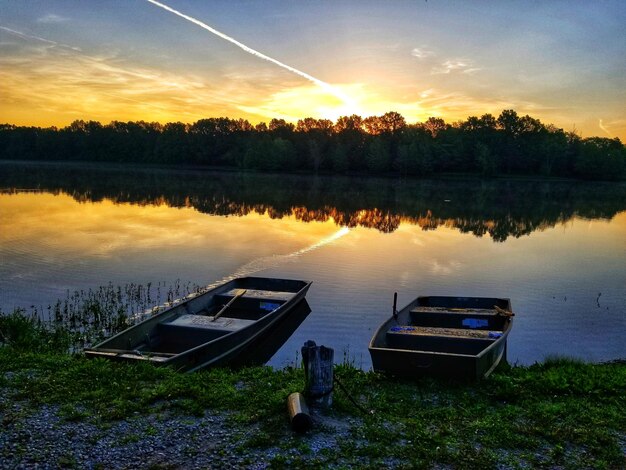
<point x="214" y="328"/>
<point x="452" y="337"/>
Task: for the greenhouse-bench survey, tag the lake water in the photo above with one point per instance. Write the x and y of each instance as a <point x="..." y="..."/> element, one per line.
<point x="556" y="249"/>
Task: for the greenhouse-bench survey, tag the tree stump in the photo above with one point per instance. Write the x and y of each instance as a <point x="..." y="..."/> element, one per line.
<point x="318" y="374"/>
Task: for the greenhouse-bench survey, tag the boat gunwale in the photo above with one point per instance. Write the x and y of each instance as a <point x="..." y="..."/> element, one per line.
<point x="422" y="351"/>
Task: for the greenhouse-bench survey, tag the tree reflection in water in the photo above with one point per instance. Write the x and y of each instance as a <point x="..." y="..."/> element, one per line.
<point x="499" y="208"/>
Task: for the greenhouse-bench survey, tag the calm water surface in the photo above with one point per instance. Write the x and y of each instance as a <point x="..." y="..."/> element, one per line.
<point x="558" y="249"/>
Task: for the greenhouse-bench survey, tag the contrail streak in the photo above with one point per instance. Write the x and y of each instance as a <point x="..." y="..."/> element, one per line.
<point x="27" y="36"/>
<point x="37" y="38"/>
<point x="326" y="86"/>
<point x="603" y="127"/>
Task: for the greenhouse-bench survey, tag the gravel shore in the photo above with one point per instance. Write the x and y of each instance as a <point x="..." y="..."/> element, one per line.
<point x="42" y="438"/>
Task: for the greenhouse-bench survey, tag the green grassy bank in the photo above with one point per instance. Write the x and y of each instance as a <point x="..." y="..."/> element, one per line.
<point x="561" y="413"/>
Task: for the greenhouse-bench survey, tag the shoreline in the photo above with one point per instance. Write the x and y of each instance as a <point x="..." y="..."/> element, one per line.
<point x="59" y="410"/>
<point x="184" y="168"/>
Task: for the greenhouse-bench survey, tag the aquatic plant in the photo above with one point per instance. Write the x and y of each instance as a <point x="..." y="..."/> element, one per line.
<point x="85" y="317"/>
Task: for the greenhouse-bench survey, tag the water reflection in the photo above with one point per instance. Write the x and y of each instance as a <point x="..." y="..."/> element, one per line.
<point x="85" y="227"/>
<point x="500" y="209"/>
<point x="52" y="243"/>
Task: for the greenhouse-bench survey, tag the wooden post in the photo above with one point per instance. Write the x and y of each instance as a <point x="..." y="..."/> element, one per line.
<point x="318" y="374"/>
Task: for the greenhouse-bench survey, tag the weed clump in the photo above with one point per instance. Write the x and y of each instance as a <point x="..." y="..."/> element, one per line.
<point x="86" y="317"/>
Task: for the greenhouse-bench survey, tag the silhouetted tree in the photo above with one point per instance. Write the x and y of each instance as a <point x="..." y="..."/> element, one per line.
<point x="349" y="130"/>
<point x="435" y="125"/>
<point x="485" y="159"/>
<point x="339" y="159"/>
<point x="392" y="122"/>
<point x="281" y="128"/>
<point x="378" y="158"/>
<point x="601" y="158"/>
<point x="313" y="137"/>
<point x="349" y="123"/>
<point x="172" y="145"/>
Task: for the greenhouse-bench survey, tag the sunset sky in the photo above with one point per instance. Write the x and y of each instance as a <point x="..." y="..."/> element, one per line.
<point x="563" y="62"/>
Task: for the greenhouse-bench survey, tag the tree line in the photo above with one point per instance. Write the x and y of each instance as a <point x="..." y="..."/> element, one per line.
<point x="508" y="144"/>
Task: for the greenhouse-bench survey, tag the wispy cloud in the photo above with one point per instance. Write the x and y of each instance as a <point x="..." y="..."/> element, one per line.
<point x="58" y="83"/>
<point x="52" y="18"/>
<point x="457" y="105"/>
<point x="422" y="52"/>
<point x="444" y="268"/>
<point x="455" y="66"/>
<point x="471" y="71"/>
<point x="464" y="66"/>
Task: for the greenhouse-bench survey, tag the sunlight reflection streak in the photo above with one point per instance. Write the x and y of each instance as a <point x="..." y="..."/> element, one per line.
<point x="254" y="266"/>
<point x="267" y="262"/>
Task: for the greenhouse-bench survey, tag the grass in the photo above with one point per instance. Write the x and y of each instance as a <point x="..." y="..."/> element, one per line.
<point x="561" y="413"/>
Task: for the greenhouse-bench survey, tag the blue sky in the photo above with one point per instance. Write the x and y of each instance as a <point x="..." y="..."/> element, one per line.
<point x="563" y="62"/>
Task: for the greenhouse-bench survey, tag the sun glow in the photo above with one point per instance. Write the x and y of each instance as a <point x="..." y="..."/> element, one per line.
<point x="296" y="103"/>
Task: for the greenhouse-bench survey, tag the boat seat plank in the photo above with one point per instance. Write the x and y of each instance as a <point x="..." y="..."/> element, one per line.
<point x="254" y="303"/>
<point x="203" y="322"/>
<point x="437" y="343"/>
<point x="451" y="332"/>
<point x="457" y="311"/>
<point x="124" y="354"/>
<point x="462" y="319"/>
<point x="260" y="294"/>
<point x="188" y="331"/>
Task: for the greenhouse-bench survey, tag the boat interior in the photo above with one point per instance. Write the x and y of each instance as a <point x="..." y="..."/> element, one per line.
<point x="198" y="322"/>
<point x="450" y="326"/>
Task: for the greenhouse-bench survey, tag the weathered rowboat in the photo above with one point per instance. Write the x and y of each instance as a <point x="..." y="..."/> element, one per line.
<point x="452" y="337"/>
<point x="217" y="327"/>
